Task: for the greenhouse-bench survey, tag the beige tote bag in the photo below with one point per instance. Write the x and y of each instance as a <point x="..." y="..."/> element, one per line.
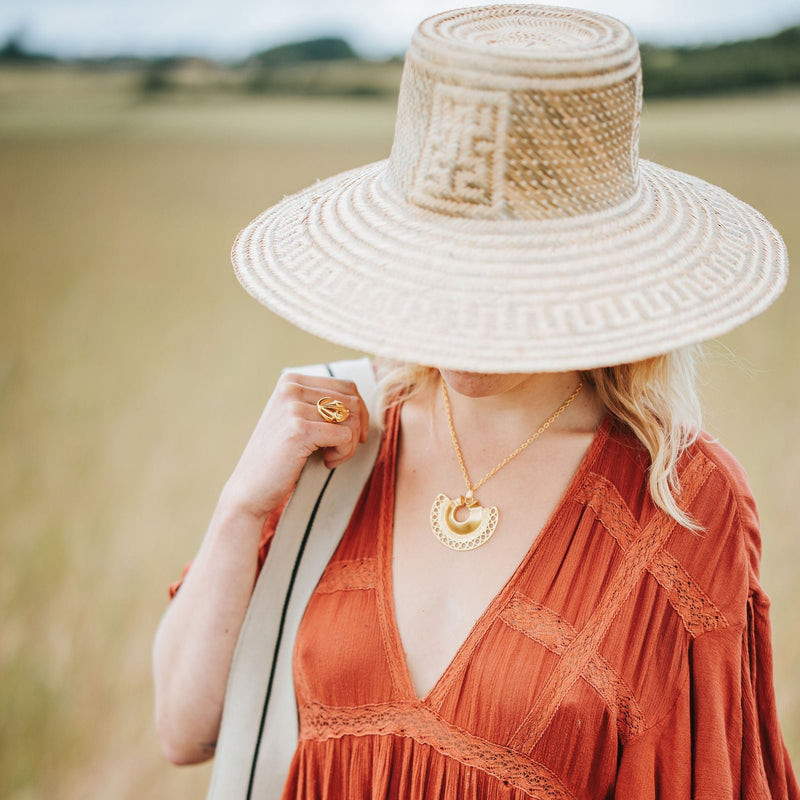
<point x="259" y="730"/>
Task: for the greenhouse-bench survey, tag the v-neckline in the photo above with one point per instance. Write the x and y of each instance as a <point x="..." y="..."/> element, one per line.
<point x="433" y="697"/>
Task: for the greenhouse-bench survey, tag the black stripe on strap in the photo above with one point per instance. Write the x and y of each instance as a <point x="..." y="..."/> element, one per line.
<point x="284" y="611"/>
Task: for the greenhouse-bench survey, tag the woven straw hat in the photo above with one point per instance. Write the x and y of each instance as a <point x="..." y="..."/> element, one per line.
<point x="513" y="227"/>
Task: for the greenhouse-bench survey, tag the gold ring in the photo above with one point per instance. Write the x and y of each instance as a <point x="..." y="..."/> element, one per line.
<point x="332" y="410"/>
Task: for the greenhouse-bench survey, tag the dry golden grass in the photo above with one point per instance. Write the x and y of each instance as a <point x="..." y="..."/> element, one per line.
<point x="132" y="367"/>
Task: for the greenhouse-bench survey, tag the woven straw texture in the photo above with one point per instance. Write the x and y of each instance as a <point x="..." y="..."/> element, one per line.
<point x="513" y="227"/>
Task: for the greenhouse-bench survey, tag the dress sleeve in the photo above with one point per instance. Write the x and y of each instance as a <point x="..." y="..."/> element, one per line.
<point x="267" y="532"/>
<point x="721" y="739"/>
<point x="765" y="760"/>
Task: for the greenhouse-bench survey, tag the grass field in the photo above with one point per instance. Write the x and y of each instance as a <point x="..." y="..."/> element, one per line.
<point x="132" y="367"/>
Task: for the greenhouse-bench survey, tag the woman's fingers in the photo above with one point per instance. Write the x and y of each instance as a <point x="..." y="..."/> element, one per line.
<point x="307" y="391"/>
<point x="289" y="431"/>
<point x="308" y="431"/>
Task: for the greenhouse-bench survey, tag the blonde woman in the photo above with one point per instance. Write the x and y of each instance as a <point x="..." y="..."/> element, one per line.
<point x="547" y="584"/>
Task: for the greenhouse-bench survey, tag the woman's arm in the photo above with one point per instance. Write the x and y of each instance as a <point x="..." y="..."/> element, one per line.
<point x="194" y="644"/>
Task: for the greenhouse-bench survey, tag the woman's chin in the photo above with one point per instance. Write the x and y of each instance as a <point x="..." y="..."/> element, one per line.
<point x="481" y="384"/>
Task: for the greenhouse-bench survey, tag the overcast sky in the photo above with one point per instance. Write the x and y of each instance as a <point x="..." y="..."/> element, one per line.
<point x="235" y="28"/>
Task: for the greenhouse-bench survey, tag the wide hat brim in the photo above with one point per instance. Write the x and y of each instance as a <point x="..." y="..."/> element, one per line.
<point x="351" y="261"/>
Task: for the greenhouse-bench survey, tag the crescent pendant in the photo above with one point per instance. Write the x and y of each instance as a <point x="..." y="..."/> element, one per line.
<point x="468" y="534"/>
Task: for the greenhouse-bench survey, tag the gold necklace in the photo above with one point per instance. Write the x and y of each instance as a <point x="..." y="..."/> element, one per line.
<point x="481" y="521"/>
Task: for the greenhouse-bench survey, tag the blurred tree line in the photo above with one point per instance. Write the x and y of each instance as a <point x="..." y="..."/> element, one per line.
<point x="330" y="66"/>
<point x="748" y="64"/>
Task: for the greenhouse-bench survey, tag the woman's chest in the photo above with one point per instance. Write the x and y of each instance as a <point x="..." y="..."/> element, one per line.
<point x="557" y="648"/>
<point x="440" y="594"/>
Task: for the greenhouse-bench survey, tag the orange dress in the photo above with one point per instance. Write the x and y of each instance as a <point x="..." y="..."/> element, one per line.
<point x="625" y="658"/>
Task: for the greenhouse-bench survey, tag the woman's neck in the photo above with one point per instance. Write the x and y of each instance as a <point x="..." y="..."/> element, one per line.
<point x="512" y="406"/>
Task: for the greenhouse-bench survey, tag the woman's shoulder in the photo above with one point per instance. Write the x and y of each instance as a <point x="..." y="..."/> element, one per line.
<point x="706" y="469"/>
<point x="721" y="558"/>
<point x="730" y="502"/>
<point x="728" y="496"/>
<point x="731" y="472"/>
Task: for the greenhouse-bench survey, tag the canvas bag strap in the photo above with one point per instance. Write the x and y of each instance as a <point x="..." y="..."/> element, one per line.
<point x="259" y="729"/>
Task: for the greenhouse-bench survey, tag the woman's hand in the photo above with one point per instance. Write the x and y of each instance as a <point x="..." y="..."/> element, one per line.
<point x="289" y="431"/>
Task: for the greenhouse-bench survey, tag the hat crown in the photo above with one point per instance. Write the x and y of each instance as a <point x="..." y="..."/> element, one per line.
<point x="518" y="112"/>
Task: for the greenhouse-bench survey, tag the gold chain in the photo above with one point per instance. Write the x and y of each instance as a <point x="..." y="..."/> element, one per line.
<point x="529" y="441"/>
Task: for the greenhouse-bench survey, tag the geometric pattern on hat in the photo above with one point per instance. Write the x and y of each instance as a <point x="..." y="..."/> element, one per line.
<point x="514" y="227"/>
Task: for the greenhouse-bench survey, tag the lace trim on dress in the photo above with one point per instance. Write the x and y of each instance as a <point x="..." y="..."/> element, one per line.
<point x="553" y="632"/>
<point x="584" y="647"/>
<point x="341" y="576"/>
<point x="695" y="608"/>
<point x="418" y="722"/>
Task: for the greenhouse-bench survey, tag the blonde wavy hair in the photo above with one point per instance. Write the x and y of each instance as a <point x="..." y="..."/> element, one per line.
<point x="657" y="398"/>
